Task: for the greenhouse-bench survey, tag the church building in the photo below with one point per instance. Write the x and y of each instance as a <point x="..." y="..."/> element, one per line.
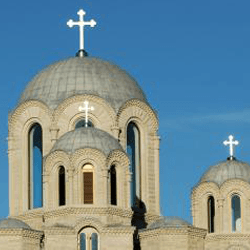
<point x="83" y="150"/>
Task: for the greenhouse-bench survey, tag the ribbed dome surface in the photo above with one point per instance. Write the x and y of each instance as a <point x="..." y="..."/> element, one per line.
<point x="82" y="75"/>
<point x="169" y="222"/>
<point x="13" y="223"/>
<point x="230" y="169"/>
<point x="87" y="138"/>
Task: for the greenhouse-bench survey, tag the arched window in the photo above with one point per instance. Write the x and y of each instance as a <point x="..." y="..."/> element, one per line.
<point x="88" y="239"/>
<point x="61" y="186"/>
<point x="82" y="123"/>
<point x="133" y="150"/>
<point x="88" y="193"/>
<point x="113" y="186"/>
<point x="236" y="213"/>
<point x="35" y="166"/>
<point x="210" y="214"/>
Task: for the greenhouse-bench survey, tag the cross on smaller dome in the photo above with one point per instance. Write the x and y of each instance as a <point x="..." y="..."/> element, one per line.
<point x="86" y="108"/>
<point x="231" y="143"/>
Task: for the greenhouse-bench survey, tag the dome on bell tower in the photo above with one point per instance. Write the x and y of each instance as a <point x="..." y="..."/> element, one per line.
<point x="82" y="75"/>
<point x="226" y="170"/>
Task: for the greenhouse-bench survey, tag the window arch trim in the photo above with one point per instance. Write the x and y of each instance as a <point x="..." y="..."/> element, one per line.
<point x="79" y="116"/>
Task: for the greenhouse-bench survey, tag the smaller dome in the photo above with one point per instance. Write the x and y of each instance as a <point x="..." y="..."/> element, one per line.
<point x="226" y="170"/>
<point x="169" y="222"/>
<point x="13" y="223"/>
<point x="87" y="138"/>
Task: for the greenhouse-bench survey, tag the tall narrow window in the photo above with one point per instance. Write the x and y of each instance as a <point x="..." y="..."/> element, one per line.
<point x="94" y="241"/>
<point x="35" y="167"/>
<point x="61" y="186"/>
<point x="88" y="195"/>
<point x="236" y="214"/>
<point x="83" y="241"/>
<point x="133" y="150"/>
<point x="113" y="193"/>
<point x="210" y="214"/>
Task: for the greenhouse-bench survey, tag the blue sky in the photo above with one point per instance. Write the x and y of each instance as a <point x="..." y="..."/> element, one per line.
<point x="190" y="57"/>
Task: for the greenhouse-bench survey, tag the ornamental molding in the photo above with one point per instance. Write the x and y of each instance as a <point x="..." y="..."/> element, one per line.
<point x="89" y="222"/>
<point x="81" y="98"/>
<point x="117" y="231"/>
<point x="149" y="218"/>
<point x="174" y="232"/>
<point x="138" y="109"/>
<point x="30" y="215"/>
<point x="228" y="237"/>
<point x="100" y="211"/>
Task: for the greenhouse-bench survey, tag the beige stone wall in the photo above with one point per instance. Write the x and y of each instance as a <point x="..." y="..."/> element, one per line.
<point x="20" y="239"/>
<point x="227" y="242"/>
<point x="116" y="241"/>
<point x="62" y="241"/>
<point x="173" y="238"/>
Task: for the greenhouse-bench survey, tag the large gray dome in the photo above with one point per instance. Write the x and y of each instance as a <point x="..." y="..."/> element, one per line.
<point x="13" y="223"/>
<point x="87" y="138"/>
<point x="82" y="75"/>
<point x="230" y="169"/>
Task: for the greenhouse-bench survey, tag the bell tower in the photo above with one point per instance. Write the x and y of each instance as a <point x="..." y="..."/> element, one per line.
<point x="84" y="154"/>
<point x="220" y="202"/>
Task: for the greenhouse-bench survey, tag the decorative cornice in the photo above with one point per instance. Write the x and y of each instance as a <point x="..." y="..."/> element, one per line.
<point x="21" y="232"/>
<point x="230" y="236"/>
<point x="188" y="231"/>
<point x="59" y="231"/>
<point x="102" y="211"/>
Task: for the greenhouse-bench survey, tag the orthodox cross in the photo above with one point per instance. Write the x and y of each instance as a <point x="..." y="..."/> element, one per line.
<point x="231" y="144"/>
<point x="86" y="108"/>
<point x="81" y="25"/>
